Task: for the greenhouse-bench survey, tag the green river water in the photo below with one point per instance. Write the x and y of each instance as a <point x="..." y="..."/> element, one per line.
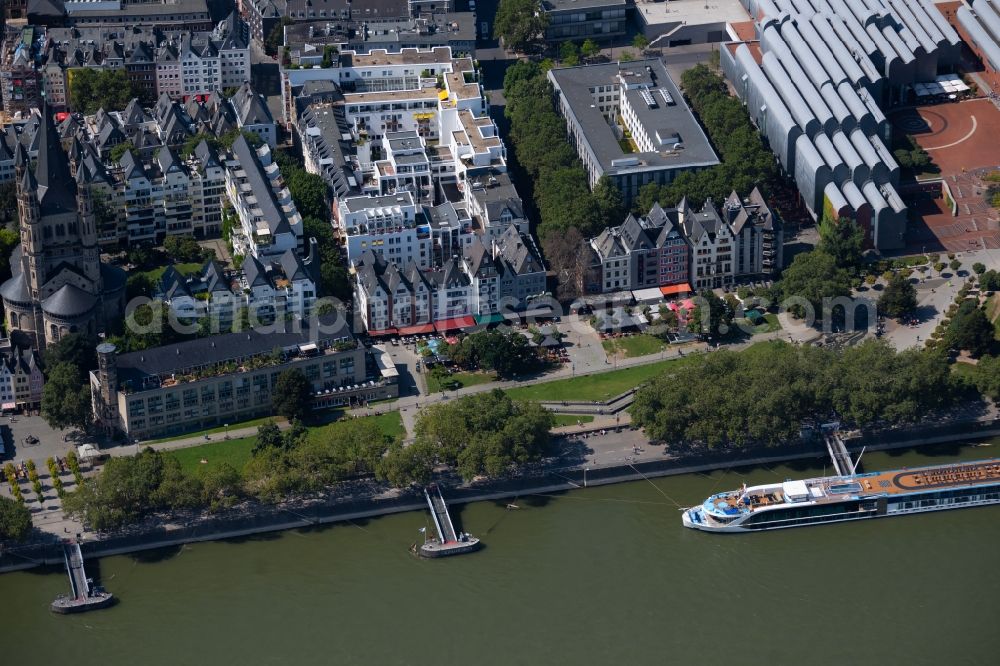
<point x="598" y="576"/>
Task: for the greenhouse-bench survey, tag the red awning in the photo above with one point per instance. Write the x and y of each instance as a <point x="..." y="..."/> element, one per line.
<point x="676" y="289"/>
<point x="382" y="333"/>
<point x="454" y="324"/>
<point x="420" y="329"/>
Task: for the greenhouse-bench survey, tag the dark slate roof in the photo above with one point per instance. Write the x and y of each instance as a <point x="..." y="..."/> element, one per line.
<point x="634" y="236"/>
<point x="56" y="187"/>
<point x="5" y="152"/>
<point x="167" y="160"/>
<point x="206" y="155"/>
<point x="173" y="284"/>
<point x="53" y="8"/>
<point x="254" y="273"/>
<point x="516" y="253"/>
<point x="251" y="107"/>
<point x="477" y="257"/>
<point x="607" y="244"/>
<point x="232" y="32"/>
<point x="293" y="267"/>
<point x="260" y="184"/>
<point x="69" y="301"/>
<point x="131" y="167"/>
<point x="134" y="114"/>
<point x="214" y="277"/>
<point x="16" y="289"/>
<point x="215" y="349"/>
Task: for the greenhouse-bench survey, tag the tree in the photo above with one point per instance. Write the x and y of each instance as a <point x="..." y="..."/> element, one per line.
<point x="987" y="377"/>
<point x="334" y="279"/>
<point x="276" y="38"/>
<point x="711" y="316"/>
<point x="843" y="240"/>
<point x="292" y="394"/>
<point x="970" y="329"/>
<point x="66" y="398"/>
<point x="329" y="51"/>
<point x="92" y="89"/>
<point x="978" y="268"/>
<point x="221" y="486"/>
<point x="569" y="257"/>
<point x="406" y="465"/>
<point x="700" y="403"/>
<point x="183" y="248"/>
<point x="990" y="281"/>
<point x="899" y="297"/>
<point x="486" y="434"/>
<point x="15" y="520"/>
<point x="519" y="23"/>
<point x="640" y="41"/>
<point x="118" y="151"/>
<point x="813" y="276"/>
<point x="954" y="264"/>
<point x="569" y="53"/>
<point x="128" y="489"/>
<point x="268" y="437"/>
<point x="609" y="200"/>
<point x="76" y="349"/>
<point x="507" y="354"/>
<point x="590" y="48"/>
<point x="309" y="191"/>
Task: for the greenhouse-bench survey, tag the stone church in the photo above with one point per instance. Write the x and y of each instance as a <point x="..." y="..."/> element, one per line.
<point x="59" y="285"/>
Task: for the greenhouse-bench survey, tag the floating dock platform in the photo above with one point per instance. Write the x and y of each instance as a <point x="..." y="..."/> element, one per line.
<point x="86" y="595"/>
<point x="447" y="542"/>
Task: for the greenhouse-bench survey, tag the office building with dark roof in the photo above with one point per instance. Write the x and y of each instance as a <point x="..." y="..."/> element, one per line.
<point x="164" y="14"/>
<point x="578" y="20"/>
<point x="602" y="102"/>
<point x="230" y="378"/>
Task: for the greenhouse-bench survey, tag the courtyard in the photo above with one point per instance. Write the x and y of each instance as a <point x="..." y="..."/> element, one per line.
<point x="963" y="140"/>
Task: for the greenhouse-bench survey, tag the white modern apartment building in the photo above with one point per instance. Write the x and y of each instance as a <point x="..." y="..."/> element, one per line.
<point x="390" y="225"/>
<point x="269" y="223"/>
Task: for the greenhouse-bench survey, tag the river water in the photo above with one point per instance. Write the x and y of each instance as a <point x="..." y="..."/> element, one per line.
<point x="597" y="576"/>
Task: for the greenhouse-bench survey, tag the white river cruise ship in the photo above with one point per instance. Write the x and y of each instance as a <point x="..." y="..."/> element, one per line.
<point x="837" y="498"/>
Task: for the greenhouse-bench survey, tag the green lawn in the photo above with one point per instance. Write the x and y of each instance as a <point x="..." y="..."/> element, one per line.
<point x="771" y="324"/>
<point x="390" y="423"/>
<point x="594" y="387"/>
<point x="463" y="379"/>
<point x="964" y="370"/>
<point x="571" y="419"/>
<point x="237" y="451"/>
<point x="993" y="311"/>
<point x="634" y="345"/>
<point x="252" y="423"/>
<point x="185" y="269"/>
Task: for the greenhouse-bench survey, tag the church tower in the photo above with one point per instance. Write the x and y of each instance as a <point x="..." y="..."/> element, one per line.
<point x="58" y="284"/>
